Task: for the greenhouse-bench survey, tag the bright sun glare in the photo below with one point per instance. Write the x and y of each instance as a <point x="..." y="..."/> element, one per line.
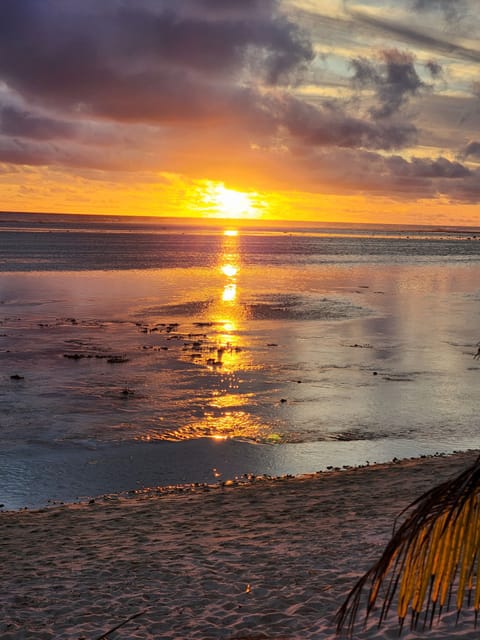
<point x="229" y="270"/>
<point x="228" y="203"/>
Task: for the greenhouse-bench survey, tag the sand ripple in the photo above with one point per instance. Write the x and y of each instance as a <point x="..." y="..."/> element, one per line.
<point x="269" y="559"/>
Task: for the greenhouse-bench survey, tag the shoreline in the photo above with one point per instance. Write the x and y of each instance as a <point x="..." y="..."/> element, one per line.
<point x="68" y="474"/>
<point x="239" y="480"/>
<point x="265" y="558"/>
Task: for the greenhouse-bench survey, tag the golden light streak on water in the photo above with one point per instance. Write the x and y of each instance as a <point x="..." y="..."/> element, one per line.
<point x="224" y="354"/>
<point x="231" y="424"/>
<point x="229" y="270"/>
<point x="229" y="293"/>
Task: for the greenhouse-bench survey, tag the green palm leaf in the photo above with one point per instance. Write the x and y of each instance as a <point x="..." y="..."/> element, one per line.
<point x="432" y="560"/>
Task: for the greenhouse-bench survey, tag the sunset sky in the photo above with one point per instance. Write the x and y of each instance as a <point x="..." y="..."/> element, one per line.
<point x="323" y="110"/>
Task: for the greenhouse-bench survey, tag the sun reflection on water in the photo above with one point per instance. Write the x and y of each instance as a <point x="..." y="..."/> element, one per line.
<point x="229" y="424"/>
<point x="229" y="293"/>
<point x="223" y="353"/>
<point x="226" y="311"/>
<point x="229" y="270"/>
<point x="229" y="400"/>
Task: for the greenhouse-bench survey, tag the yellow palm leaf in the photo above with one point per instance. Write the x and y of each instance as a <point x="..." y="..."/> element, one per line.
<point x="434" y="554"/>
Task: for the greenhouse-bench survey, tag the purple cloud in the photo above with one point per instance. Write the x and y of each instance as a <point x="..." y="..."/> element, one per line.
<point x="472" y="149"/>
<point x="330" y="125"/>
<point x="24" y="124"/>
<point x="394" y="79"/>
<point x="134" y="58"/>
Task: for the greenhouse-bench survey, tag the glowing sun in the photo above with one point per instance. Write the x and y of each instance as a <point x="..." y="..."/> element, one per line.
<point x="228" y="203"/>
<point x="232" y="204"/>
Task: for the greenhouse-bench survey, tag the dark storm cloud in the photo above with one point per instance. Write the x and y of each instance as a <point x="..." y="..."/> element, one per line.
<point x="193" y="63"/>
<point x="418" y="178"/>
<point x="434" y="68"/>
<point x="467" y="191"/>
<point x="331" y="126"/>
<point x="472" y="149"/>
<point x="427" y="168"/>
<point x="20" y="123"/>
<point x="143" y="57"/>
<point x="218" y="9"/>
<point x="35" y="152"/>
<point x="233" y="6"/>
<point x="22" y="152"/>
<point x="394" y="80"/>
<point x="429" y="178"/>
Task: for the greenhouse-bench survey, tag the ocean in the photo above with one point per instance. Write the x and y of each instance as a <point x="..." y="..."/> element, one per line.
<point x="143" y="352"/>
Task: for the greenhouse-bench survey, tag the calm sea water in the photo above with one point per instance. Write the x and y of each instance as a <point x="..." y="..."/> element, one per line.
<point x="139" y="353"/>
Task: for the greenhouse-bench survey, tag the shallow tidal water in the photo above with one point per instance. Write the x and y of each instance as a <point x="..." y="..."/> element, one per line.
<point x="135" y="354"/>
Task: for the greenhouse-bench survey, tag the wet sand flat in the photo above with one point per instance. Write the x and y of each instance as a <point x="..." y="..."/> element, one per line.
<point x="334" y="371"/>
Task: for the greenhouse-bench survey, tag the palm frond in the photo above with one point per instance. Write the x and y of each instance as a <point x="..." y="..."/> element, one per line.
<point x="433" y="556"/>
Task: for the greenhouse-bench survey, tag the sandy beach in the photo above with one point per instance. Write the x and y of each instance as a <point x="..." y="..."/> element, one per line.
<point x="258" y="559"/>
